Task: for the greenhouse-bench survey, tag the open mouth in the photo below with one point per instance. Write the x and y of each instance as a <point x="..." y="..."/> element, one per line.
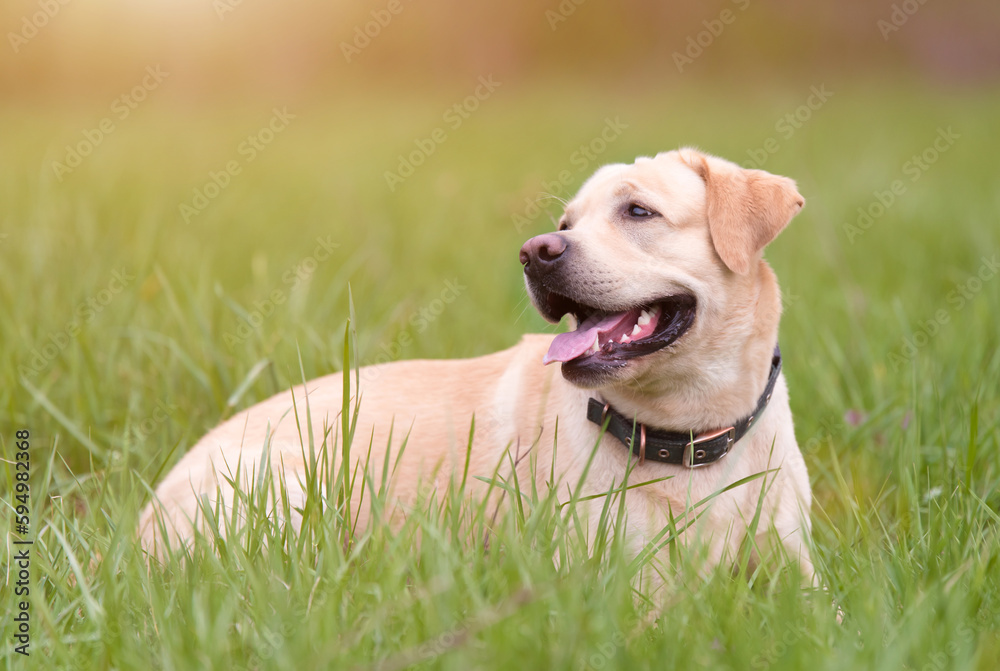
<point x="612" y="338"/>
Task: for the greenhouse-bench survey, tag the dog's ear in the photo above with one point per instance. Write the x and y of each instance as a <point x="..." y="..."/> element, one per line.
<point x="746" y="209"/>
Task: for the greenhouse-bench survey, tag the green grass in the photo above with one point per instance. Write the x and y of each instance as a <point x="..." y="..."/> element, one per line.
<point x="906" y="492"/>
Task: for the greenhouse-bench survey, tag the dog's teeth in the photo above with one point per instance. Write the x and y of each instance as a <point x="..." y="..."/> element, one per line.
<point x="596" y="347"/>
<point x="636" y="329"/>
<point x="655" y="311"/>
<point x="625" y="339"/>
<point x="643" y="318"/>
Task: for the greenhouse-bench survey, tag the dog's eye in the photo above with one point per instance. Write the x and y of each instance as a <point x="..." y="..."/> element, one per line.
<point x="639" y="211"/>
<point x="563" y="226"/>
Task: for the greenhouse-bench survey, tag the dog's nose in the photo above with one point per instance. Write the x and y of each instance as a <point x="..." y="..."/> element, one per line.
<point x="541" y="251"/>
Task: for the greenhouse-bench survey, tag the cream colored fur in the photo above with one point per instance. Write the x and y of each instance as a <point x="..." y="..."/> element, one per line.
<point x="717" y="217"/>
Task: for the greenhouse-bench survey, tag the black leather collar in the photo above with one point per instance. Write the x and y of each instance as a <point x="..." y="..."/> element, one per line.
<point x="674" y="447"/>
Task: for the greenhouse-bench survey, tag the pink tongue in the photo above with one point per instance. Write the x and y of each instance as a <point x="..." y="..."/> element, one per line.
<point x="570" y="345"/>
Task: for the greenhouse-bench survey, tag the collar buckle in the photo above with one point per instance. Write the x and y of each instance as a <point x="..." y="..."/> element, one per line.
<point x="693" y="455"/>
<point x="681" y="448"/>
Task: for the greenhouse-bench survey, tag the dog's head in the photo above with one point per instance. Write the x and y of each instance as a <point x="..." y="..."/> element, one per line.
<point x="658" y="260"/>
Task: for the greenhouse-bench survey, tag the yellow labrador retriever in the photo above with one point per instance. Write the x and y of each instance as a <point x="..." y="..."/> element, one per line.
<point x="673" y="347"/>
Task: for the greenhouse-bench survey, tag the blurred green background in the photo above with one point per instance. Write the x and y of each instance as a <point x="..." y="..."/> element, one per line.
<point x="121" y="119"/>
<point x="187" y="189"/>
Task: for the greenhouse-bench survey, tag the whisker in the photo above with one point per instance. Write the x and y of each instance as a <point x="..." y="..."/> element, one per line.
<point x="546" y="196"/>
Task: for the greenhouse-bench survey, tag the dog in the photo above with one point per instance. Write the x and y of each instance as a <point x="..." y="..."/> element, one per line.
<point x="670" y="372"/>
